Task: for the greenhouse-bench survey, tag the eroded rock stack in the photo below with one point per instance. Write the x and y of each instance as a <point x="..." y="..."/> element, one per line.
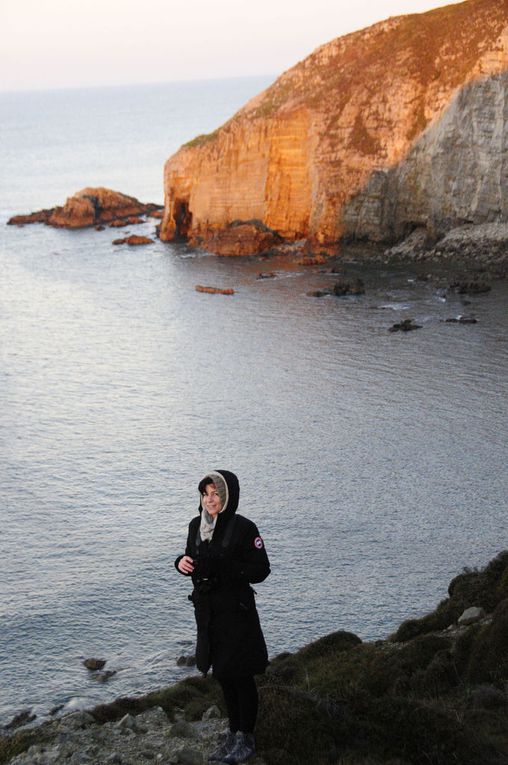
<point x="90" y="207"/>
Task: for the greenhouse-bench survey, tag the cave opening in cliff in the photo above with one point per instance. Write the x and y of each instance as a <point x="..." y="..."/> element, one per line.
<point x="183" y="219"/>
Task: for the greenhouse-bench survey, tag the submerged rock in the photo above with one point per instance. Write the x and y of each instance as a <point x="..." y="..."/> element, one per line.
<point x="94" y="664"/>
<point x="186" y="661"/>
<point x="407" y="325"/>
<point x="462" y="320"/>
<point x="470" y="288"/>
<point x="22" y="718"/>
<point x="343" y="287"/>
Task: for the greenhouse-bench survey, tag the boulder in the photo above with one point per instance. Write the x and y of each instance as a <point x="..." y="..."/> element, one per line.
<point x="134" y="240"/>
<point x="471" y="615"/>
<point x="22" y="718"/>
<point x="343" y="287"/>
<point x="470" y="288"/>
<point x="242" y="238"/>
<point x="406" y="325"/>
<point x="186" y="661"/>
<point x="212" y="713"/>
<point x="94" y="664"/>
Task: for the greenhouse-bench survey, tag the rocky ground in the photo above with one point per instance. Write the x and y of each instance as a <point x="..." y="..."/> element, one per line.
<point x="149" y="737"/>
<point x="482" y="244"/>
<point x="433" y="693"/>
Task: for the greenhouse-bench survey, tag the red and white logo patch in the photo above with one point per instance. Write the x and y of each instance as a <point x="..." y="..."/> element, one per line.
<point x="258" y="543"/>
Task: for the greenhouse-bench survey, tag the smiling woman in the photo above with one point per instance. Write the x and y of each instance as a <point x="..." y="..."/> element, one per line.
<point x="46" y="46"/>
<point x="224" y="555"/>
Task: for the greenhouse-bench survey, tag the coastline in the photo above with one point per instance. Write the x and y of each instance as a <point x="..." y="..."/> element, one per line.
<point x="434" y="691"/>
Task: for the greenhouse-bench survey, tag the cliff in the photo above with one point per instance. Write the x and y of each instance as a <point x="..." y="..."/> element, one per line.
<point x="374" y="133"/>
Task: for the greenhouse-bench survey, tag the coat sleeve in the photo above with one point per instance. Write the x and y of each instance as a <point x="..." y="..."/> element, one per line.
<point x="188" y="549"/>
<point x="251" y="563"/>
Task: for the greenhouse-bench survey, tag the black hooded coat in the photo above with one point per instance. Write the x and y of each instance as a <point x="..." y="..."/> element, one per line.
<point x="229" y="636"/>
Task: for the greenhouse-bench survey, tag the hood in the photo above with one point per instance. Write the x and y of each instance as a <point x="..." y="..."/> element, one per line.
<point x="228" y="487"/>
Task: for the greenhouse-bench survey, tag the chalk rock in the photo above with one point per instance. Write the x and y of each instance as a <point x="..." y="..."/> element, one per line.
<point x="471" y="615"/>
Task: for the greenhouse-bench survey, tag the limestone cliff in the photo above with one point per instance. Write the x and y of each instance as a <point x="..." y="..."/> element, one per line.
<point x="349" y="140"/>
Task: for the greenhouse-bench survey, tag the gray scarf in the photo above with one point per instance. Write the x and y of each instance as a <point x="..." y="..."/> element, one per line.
<point x="207" y="526"/>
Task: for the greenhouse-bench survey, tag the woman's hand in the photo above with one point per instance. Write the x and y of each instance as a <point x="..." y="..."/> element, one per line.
<point x="186" y="565"/>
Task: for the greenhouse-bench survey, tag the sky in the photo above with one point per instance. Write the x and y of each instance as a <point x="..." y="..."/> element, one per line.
<point x="74" y="43"/>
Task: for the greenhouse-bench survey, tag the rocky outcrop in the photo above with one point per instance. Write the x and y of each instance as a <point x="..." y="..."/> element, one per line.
<point x="242" y="238"/>
<point x="134" y="240"/>
<point x="89" y="207"/>
<point x="455" y="173"/>
<point x="338" y="144"/>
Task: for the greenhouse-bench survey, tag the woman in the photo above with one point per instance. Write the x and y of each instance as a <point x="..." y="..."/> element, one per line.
<point x="224" y="555"/>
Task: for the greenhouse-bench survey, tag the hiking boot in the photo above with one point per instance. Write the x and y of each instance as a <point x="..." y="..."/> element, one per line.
<point x="243" y="749"/>
<point x="226" y="743"/>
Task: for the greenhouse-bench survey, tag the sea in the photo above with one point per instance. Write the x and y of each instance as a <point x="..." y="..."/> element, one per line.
<point x="373" y="463"/>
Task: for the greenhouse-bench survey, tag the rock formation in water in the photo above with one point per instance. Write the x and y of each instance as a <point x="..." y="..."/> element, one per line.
<point x="397" y="125"/>
<point x="89" y="207"/>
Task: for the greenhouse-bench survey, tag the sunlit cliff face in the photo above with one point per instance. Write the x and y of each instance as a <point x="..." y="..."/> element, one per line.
<point x="298" y="153"/>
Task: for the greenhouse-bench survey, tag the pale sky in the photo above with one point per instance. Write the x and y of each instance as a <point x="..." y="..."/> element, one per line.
<point x="75" y="43"/>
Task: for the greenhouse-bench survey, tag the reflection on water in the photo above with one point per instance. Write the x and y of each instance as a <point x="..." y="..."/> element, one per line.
<point x="373" y="463"/>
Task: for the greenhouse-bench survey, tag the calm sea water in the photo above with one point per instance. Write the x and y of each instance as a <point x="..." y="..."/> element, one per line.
<point x="373" y="463"/>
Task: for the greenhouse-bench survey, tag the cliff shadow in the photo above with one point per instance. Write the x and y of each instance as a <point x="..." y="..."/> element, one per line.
<point x="456" y="172"/>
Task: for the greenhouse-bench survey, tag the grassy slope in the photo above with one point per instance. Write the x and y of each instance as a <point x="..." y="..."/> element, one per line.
<point x="427" y="695"/>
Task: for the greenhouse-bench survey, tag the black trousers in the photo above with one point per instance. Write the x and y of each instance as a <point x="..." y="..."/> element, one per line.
<point x="241" y="697"/>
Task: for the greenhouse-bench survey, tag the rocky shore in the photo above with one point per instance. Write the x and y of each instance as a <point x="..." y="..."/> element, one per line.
<point x="436" y="691"/>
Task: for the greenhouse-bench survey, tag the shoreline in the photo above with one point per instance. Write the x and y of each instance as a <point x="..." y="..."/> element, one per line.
<point x="443" y="667"/>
